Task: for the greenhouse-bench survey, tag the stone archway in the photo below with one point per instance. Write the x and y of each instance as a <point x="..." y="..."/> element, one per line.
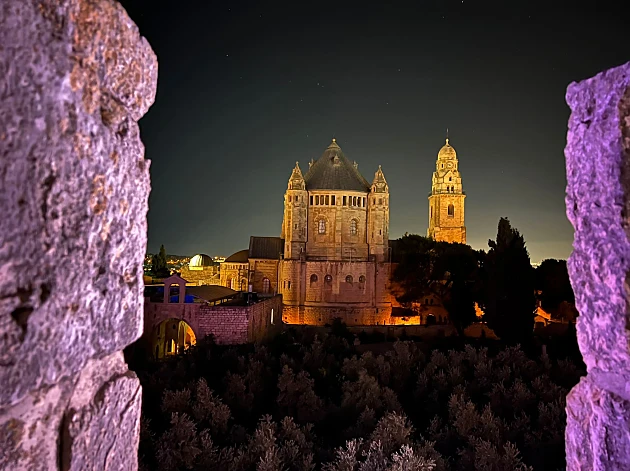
<point x="171" y="337"/>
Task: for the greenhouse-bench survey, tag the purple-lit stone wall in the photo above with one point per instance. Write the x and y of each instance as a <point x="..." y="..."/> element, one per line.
<point x="598" y="206"/>
<point x="75" y="76"/>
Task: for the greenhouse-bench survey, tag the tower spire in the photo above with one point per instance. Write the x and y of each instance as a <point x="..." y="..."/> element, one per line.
<point x="447" y="135"/>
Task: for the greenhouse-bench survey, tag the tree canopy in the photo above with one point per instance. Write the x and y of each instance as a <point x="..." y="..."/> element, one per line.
<point x="552" y="280"/>
<point x="159" y="266"/>
<point x="447" y="270"/>
<point x="509" y="285"/>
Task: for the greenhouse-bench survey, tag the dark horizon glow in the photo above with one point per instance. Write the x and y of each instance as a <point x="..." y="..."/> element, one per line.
<point x="245" y="91"/>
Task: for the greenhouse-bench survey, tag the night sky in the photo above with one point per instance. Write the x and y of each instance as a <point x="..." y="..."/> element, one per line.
<point x="246" y="89"/>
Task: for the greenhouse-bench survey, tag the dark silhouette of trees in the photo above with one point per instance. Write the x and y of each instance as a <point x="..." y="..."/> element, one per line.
<point x="448" y="271"/>
<point x="159" y="265"/>
<point x="310" y="401"/>
<point x="552" y="280"/>
<point x="509" y="286"/>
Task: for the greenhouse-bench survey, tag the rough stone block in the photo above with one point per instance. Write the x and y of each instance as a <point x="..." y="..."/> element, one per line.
<point x="75" y="76"/>
<point x="598" y="206"/>
<point x="102" y="425"/>
<point x="598" y="429"/>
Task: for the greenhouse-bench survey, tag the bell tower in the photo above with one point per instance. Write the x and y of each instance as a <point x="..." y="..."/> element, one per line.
<point x="294" y="221"/>
<point x="446" y="201"/>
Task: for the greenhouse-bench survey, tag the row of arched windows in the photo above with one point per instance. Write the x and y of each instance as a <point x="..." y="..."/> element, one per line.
<point x="354" y="226"/>
<point x="328" y="279"/>
<point x="450" y="189"/>
<point x="323" y="200"/>
<point x="356" y="201"/>
<point x="380" y="200"/>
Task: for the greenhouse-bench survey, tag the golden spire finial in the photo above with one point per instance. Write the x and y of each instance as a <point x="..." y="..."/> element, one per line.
<point x="334" y="140"/>
<point x="446" y="135"/>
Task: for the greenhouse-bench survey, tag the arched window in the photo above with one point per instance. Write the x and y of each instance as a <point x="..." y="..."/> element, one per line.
<point x="314" y="278"/>
<point x="349" y="279"/>
<point x="354" y="201"/>
<point x="451" y="210"/>
<point x="353" y="227"/>
<point x="328" y="279"/>
<point x="450" y="179"/>
<point x="452" y="189"/>
<point x="266" y="285"/>
<point x="362" y="279"/>
<point x="321" y="226"/>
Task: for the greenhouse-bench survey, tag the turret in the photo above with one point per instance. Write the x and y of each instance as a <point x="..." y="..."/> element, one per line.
<point x="378" y="216"/>
<point x="295" y="210"/>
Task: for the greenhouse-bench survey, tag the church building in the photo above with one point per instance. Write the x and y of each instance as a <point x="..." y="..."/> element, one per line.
<point x="336" y="244"/>
<point x="446" y="201"/>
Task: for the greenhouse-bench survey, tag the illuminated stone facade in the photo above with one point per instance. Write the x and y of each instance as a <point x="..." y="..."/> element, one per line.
<point x="336" y="237"/>
<point x="234" y="271"/>
<point x="446" y="201"/>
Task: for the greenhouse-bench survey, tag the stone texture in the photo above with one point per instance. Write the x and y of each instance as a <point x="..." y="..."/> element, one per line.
<point x="102" y="424"/>
<point x="598" y="432"/>
<point x="75" y="76"/>
<point x="598" y="204"/>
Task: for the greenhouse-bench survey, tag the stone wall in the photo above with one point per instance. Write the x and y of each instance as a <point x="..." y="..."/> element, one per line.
<point x="206" y="276"/>
<point x="598" y="206"/>
<point x="228" y="324"/>
<point x="75" y="77"/>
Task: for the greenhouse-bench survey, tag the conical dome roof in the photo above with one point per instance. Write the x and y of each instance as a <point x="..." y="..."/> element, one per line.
<point x="333" y="171"/>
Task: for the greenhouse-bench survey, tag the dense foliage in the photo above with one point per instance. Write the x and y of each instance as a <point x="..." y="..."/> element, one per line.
<point x="310" y="402"/>
<point x="552" y="280"/>
<point x="159" y="264"/>
<point x="449" y="271"/>
<point x="509" y="286"/>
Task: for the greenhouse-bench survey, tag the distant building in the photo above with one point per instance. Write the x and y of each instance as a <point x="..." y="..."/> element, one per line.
<point x="446" y="201"/>
<point x="235" y="271"/>
<point x="201" y="270"/>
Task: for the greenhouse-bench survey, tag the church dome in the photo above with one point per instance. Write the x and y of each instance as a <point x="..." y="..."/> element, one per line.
<point x="447" y="152"/>
<point x="242" y="256"/>
<point x="333" y="171"/>
<point x="200" y="261"/>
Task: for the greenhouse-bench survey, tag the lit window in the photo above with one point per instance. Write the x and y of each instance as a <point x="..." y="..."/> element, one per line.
<point x="362" y="279"/>
<point x="327" y="200"/>
<point x="451" y="210"/>
<point x="321" y="226"/>
<point x="349" y="279"/>
<point x="266" y="286"/>
<point x="328" y="279"/>
<point x="272" y="315"/>
<point x="317" y="200"/>
<point x="353" y="227"/>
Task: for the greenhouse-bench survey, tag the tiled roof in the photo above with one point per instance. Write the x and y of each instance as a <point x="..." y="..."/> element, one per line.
<point x="238" y="257"/>
<point x="333" y="171"/>
<point x="268" y="248"/>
